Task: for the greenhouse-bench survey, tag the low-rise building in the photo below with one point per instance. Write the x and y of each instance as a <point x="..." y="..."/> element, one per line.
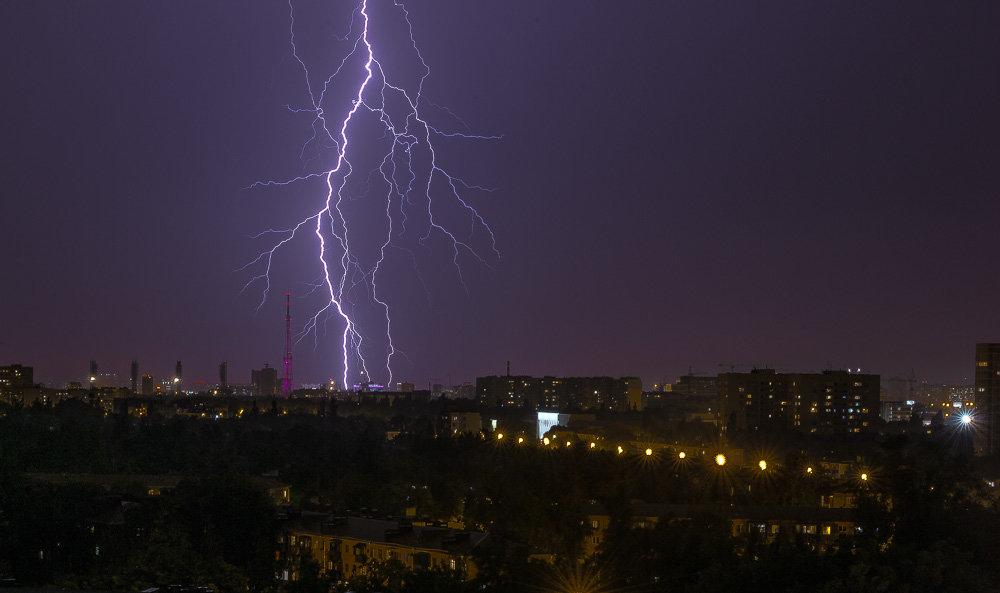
<point x="348" y="546"/>
<point x="820" y="525"/>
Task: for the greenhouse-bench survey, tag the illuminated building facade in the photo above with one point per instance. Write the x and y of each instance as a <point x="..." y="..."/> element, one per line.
<point x="820" y="526"/>
<point x="831" y="402"/>
<point x="987" y="397"/>
<point x="16" y="376"/>
<point x="561" y="393"/>
<point x="897" y="411"/>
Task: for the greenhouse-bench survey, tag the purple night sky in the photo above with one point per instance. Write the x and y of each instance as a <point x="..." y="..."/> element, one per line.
<point x="680" y="185"/>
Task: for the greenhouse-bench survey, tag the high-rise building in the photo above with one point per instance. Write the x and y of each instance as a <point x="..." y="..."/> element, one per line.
<point x="17" y="376"/>
<point x="134" y="375"/>
<point x="178" y="376"/>
<point x="148" y="385"/>
<point x="223" y="375"/>
<point x="987" y="392"/>
<point x="561" y="393"/>
<point x="757" y="400"/>
<point x="265" y="380"/>
<point x="286" y="381"/>
<point x="831" y="402"/>
<point x="695" y="386"/>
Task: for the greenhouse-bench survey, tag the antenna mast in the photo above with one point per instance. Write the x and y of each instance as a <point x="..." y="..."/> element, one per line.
<point x="286" y="384"/>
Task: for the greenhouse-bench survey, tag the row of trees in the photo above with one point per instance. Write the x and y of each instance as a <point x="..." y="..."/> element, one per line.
<point x="928" y="517"/>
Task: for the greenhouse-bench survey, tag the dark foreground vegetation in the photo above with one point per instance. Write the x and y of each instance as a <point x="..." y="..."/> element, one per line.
<point x="927" y="518"/>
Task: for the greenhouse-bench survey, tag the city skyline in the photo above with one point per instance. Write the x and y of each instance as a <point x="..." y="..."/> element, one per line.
<point x="679" y="187"/>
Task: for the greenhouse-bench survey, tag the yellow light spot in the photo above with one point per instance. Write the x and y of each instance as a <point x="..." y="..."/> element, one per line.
<point x="720" y="459"/>
<point x="520" y="440"/>
<point x="649" y="452"/>
<point x="592" y="444"/>
<point x="620" y="450"/>
<point x="809" y="470"/>
<point x="682" y="455"/>
<point x="864" y="477"/>
<point x="499" y="436"/>
<point x="567" y="443"/>
<point x="546" y="440"/>
<point x="762" y="465"/>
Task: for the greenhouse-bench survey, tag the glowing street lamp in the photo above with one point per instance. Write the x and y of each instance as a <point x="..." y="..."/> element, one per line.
<point x="499" y="436"/>
<point x="620" y="450"/>
<point x="649" y="452"/>
<point x="681" y="455"/>
<point x="546" y="440"/>
<point x="864" y="476"/>
<point x="762" y="465"/>
<point x="520" y="440"/>
<point x="720" y="460"/>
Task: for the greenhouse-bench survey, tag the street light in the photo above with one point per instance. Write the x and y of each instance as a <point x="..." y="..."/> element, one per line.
<point x="649" y="452"/>
<point x="681" y="455"/>
<point x="762" y="465"/>
<point x="720" y="460"/>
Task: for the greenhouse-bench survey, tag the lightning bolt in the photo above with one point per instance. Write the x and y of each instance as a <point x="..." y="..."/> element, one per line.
<point x="409" y="169"/>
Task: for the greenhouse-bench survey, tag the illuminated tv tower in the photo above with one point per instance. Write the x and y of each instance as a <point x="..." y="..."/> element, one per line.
<point x="286" y="383"/>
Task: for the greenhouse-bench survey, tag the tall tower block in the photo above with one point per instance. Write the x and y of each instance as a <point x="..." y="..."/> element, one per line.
<point x="987" y="393"/>
<point x="178" y="376"/>
<point x="286" y="382"/>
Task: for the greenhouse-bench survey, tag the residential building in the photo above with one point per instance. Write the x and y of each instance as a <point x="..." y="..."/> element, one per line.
<point x="831" y="402"/>
<point x="987" y="398"/>
<point x="349" y="546"/>
<point x="16" y="376"/>
<point x="561" y="393"/>
<point x="265" y="381"/>
<point x="821" y="525"/>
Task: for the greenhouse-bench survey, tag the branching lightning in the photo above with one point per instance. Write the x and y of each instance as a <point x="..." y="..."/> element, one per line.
<point x="413" y="179"/>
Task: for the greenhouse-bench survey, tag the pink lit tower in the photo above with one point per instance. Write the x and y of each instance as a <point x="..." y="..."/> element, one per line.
<point x="286" y="382"/>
